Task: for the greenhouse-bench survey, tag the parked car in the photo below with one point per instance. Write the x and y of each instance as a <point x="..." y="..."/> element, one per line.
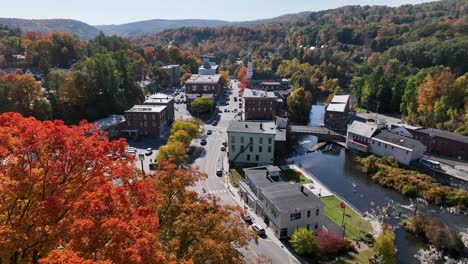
<point x="224" y="143"/>
<point x="148" y="151"/>
<point x="219" y="172"/>
<point x="226" y="110"/>
<point x="214" y="123"/>
<point x="235" y="99"/>
<point x="246" y="217"/>
<point x="258" y="229"/>
<point x="203" y="142"/>
<point x="153" y="166"/>
<point x="223" y="148"/>
<point x="209" y="132"/>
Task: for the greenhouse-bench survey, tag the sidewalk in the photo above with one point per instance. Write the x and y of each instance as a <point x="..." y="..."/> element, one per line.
<point x="256" y="219"/>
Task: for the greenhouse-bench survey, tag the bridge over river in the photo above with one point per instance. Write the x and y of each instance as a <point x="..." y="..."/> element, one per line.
<point x="322" y="133"/>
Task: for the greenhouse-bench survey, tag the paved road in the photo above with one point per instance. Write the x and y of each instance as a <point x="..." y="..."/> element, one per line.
<point x="211" y="157"/>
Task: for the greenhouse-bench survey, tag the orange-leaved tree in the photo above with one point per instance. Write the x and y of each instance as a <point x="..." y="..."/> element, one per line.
<point x="71" y="196"/>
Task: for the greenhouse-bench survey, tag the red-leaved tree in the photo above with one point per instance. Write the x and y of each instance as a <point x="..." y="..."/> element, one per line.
<point x="329" y="243"/>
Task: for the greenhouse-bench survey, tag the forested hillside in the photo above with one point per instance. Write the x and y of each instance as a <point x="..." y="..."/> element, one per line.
<point x="46" y="26"/>
<point x="408" y="60"/>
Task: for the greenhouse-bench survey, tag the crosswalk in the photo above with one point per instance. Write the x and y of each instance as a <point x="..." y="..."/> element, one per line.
<point x="217" y="191"/>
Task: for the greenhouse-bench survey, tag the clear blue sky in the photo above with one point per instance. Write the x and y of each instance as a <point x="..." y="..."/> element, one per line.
<point x="96" y="12"/>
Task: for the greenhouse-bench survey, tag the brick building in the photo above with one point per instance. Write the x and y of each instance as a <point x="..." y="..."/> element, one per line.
<point x="146" y="120"/>
<point x="260" y="105"/>
<point x="202" y="86"/>
<point x="337" y="113"/>
<point x="443" y="142"/>
<point x="163" y="99"/>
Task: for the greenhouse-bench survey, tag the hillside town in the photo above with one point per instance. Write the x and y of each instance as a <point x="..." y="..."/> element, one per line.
<point x="119" y="150"/>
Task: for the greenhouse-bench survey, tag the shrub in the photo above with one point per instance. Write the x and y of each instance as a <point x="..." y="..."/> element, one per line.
<point x="303" y="241"/>
<point x="329" y="243"/>
<point x="409" y="191"/>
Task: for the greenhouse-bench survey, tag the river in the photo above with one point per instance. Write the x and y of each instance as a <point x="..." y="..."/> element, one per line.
<point x="339" y="170"/>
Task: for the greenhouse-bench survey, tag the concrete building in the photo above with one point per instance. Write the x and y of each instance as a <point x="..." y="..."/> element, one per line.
<point x="337" y="113"/>
<point x="260" y="105"/>
<point x="369" y="139"/>
<point x="146" y="120"/>
<point x="251" y="142"/>
<point x="208" y="68"/>
<point x="163" y="99"/>
<point x="174" y="74"/>
<point x="284" y="206"/>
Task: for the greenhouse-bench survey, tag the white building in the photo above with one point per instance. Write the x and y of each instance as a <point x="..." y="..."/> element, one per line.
<point x="368" y="138"/>
<point x="283" y="206"/>
<point x="251" y="142"/>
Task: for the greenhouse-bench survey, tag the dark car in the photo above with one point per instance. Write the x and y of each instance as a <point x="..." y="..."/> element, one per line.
<point x="214" y="123"/>
<point x="247" y="218"/>
<point x="203" y="142"/>
<point x="219" y="172"/>
<point x="209" y="132"/>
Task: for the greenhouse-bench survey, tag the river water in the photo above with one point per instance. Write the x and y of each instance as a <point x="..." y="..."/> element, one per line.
<point x="339" y="170"/>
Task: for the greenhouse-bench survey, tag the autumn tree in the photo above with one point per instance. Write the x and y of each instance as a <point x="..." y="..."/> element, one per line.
<point x="181" y="136"/>
<point x="384" y="246"/>
<point x="202" y="105"/>
<point x="303" y="241"/>
<point x="23" y="92"/>
<point x="190" y="127"/>
<point x="184" y="78"/>
<point x="224" y="78"/>
<point x="174" y="150"/>
<point x="298" y="106"/>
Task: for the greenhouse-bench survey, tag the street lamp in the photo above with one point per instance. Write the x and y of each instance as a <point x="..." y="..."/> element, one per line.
<point x="141" y="157"/>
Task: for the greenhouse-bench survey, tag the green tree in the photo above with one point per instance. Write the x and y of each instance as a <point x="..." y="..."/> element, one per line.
<point x="303" y="241"/>
<point x="181" y="136"/>
<point x="190" y="127"/>
<point x="384" y="246"/>
<point x="299" y="106"/>
<point x="202" y="105"/>
<point x="174" y="150"/>
<point x="159" y="76"/>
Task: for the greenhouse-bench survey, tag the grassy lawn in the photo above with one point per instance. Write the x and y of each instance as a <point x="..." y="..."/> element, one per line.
<point x="361" y="258"/>
<point x="235" y="177"/>
<point x="356" y="226"/>
<point x="291" y="175"/>
<point x="360" y="110"/>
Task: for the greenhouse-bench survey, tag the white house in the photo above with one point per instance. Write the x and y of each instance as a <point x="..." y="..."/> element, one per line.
<point x="251" y="142"/>
<point x="368" y="138"/>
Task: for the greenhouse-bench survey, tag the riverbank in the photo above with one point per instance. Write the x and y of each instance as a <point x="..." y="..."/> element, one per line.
<point x="322" y="191"/>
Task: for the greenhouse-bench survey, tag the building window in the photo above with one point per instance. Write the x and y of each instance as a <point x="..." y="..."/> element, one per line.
<point x="317" y="211"/>
<point x="233" y="148"/>
<point x="379" y="144"/>
<point x="256" y="157"/>
<point x="248" y="157"/>
<point x="385" y="145"/>
<point x="269" y="148"/>
<point x="295" y="216"/>
<point x="260" y="149"/>
<point x="308" y="213"/>
<point x="233" y="139"/>
<point x="274" y="213"/>
<point x="144" y="116"/>
<point x="251" y="139"/>
<point x="269" y="140"/>
<point x="194" y="88"/>
<point x="308" y="226"/>
<point x="260" y="140"/>
<point x="316" y="226"/>
<point x="251" y="149"/>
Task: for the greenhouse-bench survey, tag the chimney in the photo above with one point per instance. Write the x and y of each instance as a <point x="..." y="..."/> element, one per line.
<point x="246" y="126"/>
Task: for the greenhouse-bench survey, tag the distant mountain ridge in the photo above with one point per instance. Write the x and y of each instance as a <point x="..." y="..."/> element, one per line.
<point x="76" y="27"/>
<point x="159" y="25"/>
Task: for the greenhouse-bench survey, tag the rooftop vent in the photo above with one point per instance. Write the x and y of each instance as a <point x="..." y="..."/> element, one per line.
<point x="246" y="126"/>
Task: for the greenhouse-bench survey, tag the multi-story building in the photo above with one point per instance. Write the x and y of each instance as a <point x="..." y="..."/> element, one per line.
<point x="163" y="99"/>
<point x="337" y="113"/>
<point x="369" y="139"/>
<point x="208" y="68"/>
<point x="251" y="142"/>
<point x="284" y="206"/>
<point x="174" y="74"/>
<point x="260" y="105"/>
<point x="146" y="120"/>
<point x="202" y="86"/>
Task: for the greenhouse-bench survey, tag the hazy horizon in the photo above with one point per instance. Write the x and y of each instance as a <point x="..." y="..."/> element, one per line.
<point x="123" y="12"/>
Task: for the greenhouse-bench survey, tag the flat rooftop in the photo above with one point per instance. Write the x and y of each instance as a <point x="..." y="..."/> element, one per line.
<point x="251" y="93"/>
<point x="159" y="98"/>
<point x="398" y="140"/>
<point x="170" y="66"/>
<point x="287" y="197"/>
<point x="271" y="83"/>
<point x="203" y="79"/>
<point x="252" y="127"/>
<point x="337" y="99"/>
<point x="258" y="175"/>
<point x="147" y="108"/>
<point x="336" y="107"/>
<point x="444" y="134"/>
<point x="110" y="121"/>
